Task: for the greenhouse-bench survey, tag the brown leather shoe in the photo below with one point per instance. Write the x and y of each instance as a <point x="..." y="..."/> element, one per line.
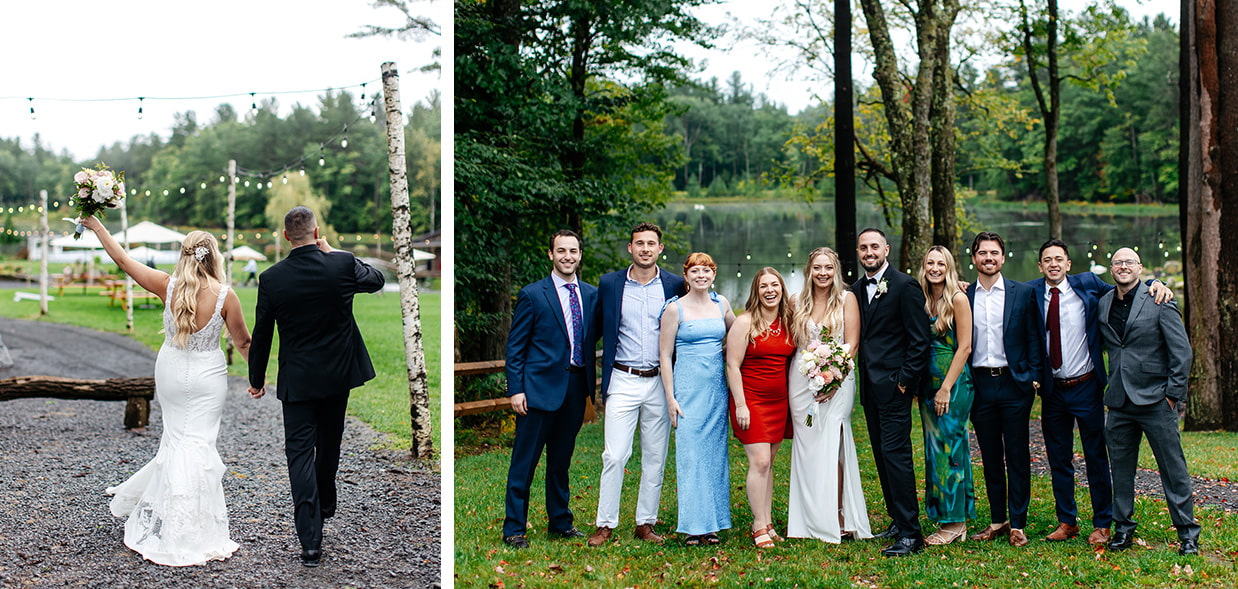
<point x="645" y="532"/>
<point x="600" y="536"/>
<point x="993" y="531"/>
<point x="1099" y="536"/>
<point x="1017" y="538"/>
<point x="1062" y="533"/>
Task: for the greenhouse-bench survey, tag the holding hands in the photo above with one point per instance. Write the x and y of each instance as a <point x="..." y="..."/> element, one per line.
<point x="257" y="393"/>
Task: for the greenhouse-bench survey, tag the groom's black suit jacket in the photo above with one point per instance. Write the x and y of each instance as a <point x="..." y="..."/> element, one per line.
<point x="309" y="296"/>
<point x="894" y="336"/>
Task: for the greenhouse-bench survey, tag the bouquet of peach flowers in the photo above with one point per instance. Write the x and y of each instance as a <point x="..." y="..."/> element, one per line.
<point x="825" y="362"/>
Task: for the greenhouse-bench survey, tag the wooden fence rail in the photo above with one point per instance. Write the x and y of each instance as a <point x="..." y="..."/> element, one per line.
<point x="501" y="403"/>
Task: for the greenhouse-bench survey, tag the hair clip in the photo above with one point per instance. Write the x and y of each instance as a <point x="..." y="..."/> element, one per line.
<point x="199" y="253"/>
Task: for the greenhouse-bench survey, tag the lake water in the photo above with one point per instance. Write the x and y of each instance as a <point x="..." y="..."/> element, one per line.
<point x="744" y="237"/>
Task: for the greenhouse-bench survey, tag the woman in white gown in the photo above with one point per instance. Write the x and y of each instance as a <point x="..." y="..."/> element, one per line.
<point x="177" y="515"/>
<point x="827" y="499"/>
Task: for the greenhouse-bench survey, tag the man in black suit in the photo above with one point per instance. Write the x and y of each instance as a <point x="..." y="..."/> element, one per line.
<point x="894" y="351"/>
<point x="1149" y="364"/>
<point x="1007" y="347"/>
<point x="550" y="372"/>
<point x="308" y="296"/>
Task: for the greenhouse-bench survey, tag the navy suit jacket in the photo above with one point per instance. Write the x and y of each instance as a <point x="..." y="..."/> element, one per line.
<point x="1023" y="335"/>
<point x="1090" y="288"/>
<point x="610" y="290"/>
<point x="538" y="354"/>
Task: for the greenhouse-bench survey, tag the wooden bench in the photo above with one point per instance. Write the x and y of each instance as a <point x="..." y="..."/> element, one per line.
<point x="501" y="403"/>
<point x="103" y="280"/>
<point x="136" y="392"/>
<point x="116" y="290"/>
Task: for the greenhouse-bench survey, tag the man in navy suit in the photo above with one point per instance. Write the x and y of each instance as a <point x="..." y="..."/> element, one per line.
<point x="1073" y="383"/>
<point x="631" y="302"/>
<point x="1007" y="346"/>
<point x="1074" y="379"/>
<point x="894" y="352"/>
<point x="550" y="372"/>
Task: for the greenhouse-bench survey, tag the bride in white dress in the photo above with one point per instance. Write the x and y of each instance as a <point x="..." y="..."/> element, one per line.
<point x="827" y="499"/>
<point x="177" y="515"/>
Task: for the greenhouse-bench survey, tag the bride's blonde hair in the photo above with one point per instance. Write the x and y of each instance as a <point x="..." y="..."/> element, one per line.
<point x="200" y="261"/>
<point x="833" y="318"/>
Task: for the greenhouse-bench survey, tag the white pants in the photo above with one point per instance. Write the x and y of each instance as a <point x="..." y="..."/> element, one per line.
<point x="630" y="400"/>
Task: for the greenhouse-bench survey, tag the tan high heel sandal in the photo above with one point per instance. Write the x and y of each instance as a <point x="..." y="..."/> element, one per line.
<point x="943" y="536"/>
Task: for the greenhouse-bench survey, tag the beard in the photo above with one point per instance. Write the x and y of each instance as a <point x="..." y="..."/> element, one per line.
<point x="875" y="267"/>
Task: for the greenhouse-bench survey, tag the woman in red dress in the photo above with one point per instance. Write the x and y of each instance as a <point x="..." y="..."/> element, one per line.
<point x="759" y="348"/>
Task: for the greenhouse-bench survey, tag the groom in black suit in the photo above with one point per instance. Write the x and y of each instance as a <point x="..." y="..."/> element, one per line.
<point x="894" y="348"/>
<point x="321" y="357"/>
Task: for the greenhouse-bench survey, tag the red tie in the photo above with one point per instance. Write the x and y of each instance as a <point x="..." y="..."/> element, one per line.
<point x="1055" y="330"/>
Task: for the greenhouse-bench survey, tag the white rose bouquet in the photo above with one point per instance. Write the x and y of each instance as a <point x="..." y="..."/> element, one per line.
<point x="97" y="189"/>
<point x="826" y="363"/>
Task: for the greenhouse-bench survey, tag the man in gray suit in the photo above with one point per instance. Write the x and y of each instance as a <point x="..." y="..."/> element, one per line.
<point x="1149" y="359"/>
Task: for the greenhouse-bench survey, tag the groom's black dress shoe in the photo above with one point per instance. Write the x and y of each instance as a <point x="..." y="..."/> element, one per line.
<point x="1120" y="541"/>
<point x="569" y="533"/>
<point x="311" y="557"/>
<point x="891" y="532"/>
<point x="518" y="541"/>
<point x="904" y="547"/>
<point x="1189" y="547"/>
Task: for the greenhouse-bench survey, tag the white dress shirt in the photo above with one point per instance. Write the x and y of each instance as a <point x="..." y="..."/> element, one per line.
<point x="871" y="288"/>
<point x="1076" y="361"/>
<point x="565" y="303"/>
<point x="989" y="349"/>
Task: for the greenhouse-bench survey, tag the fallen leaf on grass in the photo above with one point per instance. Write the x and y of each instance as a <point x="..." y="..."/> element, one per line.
<point x="499" y="570"/>
<point x="588" y="569"/>
<point x="556" y="567"/>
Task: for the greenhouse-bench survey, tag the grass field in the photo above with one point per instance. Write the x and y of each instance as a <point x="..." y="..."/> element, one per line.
<point x="383" y="402"/>
<point x="485" y="561"/>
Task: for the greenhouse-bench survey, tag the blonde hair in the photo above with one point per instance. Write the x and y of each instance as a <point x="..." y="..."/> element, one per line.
<point x="833" y="320"/>
<point x="696" y="259"/>
<point x="759" y="324"/>
<point x="943" y="308"/>
<point x="190" y="274"/>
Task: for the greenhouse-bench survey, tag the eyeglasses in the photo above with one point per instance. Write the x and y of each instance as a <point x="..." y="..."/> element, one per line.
<point x="1124" y="263"/>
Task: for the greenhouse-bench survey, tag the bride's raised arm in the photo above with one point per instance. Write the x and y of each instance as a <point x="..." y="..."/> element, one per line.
<point x="155" y="281"/>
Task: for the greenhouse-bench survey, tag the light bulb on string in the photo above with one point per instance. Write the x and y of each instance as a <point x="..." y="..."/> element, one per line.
<point x="32" y="117"/>
<point x="253" y="103"/>
<point x="247" y="184"/>
<point x="268" y="183"/>
<point x="182" y="190"/>
<point x="322" y="161"/>
<point x="285" y="178"/>
<point x="302" y="171"/>
<point x="344" y="143"/>
<point x="141" y="99"/>
<point x="203" y="186"/>
<point x="363" y="91"/>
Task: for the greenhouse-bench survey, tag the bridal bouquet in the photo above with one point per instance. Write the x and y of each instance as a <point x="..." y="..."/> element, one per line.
<point x="97" y="190"/>
<point x="826" y="363"/>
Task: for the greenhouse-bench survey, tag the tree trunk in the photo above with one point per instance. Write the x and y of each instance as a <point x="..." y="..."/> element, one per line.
<point x="1052" y="118"/>
<point x="945" y="221"/>
<point x="136" y="392"/>
<point x="908" y="126"/>
<point x="402" y="235"/>
<point x="1201" y="238"/>
<point x="1226" y="198"/>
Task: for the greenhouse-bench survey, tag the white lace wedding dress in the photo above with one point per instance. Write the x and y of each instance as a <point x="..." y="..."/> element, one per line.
<point x="816" y="455"/>
<point x="175" y="504"/>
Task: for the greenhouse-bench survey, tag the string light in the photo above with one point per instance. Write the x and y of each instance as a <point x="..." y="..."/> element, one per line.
<point x="140" y="100"/>
<point x="253" y="104"/>
<point x="32" y="117"/>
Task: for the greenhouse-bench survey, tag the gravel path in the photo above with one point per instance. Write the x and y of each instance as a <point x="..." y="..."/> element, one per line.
<point x="58" y="456"/>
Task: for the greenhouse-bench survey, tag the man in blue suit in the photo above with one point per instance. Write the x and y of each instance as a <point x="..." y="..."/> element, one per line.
<point x="550" y="372"/>
<point x="1073" y="385"/>
<point x="1007" y="346"/>
<point x="631" y="302"/>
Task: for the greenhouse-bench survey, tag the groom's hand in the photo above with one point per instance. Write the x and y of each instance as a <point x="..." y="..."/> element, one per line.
<point x="257" y="393"/>
<point x="324" y="246"/>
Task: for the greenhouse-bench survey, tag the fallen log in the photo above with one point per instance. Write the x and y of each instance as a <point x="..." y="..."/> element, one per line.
<point x="136" y="392"/>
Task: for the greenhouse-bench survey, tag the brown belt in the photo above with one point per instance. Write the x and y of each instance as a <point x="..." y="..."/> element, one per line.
<point x="1070" y="382"/>
<point x="637" y="371"/>
<point x="990" y="371"/>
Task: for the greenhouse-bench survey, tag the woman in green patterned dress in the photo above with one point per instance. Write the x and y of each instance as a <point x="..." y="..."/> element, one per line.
<point x="945" y="401"/>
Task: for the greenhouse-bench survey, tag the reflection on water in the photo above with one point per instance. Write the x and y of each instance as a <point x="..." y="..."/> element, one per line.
<point x="744" y="237"/>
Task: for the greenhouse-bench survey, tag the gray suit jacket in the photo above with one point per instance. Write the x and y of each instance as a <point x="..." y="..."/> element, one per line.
<point x="1152" y="359"/>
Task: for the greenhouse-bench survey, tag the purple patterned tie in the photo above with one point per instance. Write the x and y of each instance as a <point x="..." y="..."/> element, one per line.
<point x="578" y="335"/>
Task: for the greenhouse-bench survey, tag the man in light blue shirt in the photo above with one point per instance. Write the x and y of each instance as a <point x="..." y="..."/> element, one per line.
<point x="631" y="302"/>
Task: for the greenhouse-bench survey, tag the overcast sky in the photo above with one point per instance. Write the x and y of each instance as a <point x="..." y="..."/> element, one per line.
<point x="796" y="89"/>
<point x="64" y="51"/>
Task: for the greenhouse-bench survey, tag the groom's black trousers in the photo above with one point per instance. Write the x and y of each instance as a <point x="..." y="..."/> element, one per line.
<point x="887" y="413"/>
<point x="312" y="433"/>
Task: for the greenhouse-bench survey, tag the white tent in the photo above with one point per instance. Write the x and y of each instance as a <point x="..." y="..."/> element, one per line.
<point x="144" y="232"/>
<point x="247" y="253"/>
<point x="420" y="255"/>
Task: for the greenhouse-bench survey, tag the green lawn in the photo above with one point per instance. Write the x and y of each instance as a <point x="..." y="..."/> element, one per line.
<point x="484" y="561"/>
<point x="383" y="402"/>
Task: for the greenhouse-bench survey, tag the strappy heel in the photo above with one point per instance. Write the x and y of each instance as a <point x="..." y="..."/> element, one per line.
<point x="769" y="529"/>
<point x="761" y="538"/>
<point x="943" y="536"/>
